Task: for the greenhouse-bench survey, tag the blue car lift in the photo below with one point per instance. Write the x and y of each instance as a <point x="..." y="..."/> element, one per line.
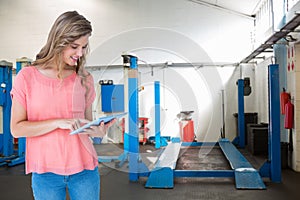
<point x="130" y="61"/>
<point x="20" y="158"/>
<point x="240" y="139"/>
<point x="272" y="167"/>
<point x="130" y="152"/>
<point x="164" y="172"/>
<point x="11" y="157"/>
<point x="246" y="177"/>
<point x="6" y="139"/>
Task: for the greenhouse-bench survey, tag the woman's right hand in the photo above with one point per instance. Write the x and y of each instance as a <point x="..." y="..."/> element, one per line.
<point x="71" y="124"/>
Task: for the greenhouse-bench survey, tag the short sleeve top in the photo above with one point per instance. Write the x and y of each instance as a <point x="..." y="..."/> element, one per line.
<point x="46" y="98"/>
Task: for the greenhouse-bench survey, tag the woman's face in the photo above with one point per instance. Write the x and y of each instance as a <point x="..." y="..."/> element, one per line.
<point x="75" y="50"/>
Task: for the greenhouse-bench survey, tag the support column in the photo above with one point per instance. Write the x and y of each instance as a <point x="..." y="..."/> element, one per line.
<point x="157" y="113"/>
<point x="274" y="124"/>
<point x="241" y="114"/>
<point x="133" y="116"/>
<point x="5" y="102"/>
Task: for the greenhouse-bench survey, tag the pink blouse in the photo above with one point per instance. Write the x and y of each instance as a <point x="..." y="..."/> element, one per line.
<point x="48" y="98"/>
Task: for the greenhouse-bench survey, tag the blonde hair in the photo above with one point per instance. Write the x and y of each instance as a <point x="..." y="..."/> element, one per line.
<point x="67" y="28"/>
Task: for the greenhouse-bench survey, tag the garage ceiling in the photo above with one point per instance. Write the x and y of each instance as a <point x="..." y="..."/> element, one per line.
<point x="248" y="8"/>
<point x="241" y="7"/>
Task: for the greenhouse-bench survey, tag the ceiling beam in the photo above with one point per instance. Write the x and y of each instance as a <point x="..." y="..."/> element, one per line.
<point x="215" y="6"/>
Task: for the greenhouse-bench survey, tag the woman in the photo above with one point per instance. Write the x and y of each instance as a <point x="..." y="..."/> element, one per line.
<point x="50" y="99"/>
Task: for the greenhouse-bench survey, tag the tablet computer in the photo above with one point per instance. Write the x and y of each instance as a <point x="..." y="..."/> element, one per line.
<point x="96" y="122"/>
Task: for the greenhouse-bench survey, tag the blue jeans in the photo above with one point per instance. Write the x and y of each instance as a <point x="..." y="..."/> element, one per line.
<point x="83" y="185"/>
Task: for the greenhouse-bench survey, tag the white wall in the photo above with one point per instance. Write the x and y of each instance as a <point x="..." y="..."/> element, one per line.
<point x="189" y="88"/>
<point x="157" y="31"/>
<point x="223" y="36"/>
<point x="293" y="77"/>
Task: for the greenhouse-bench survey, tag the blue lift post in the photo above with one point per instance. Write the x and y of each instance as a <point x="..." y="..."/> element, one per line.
<point x="136" y="166"/>
<point x="272" y="167"/>
<point x="241" y="113"/>
<point x="20" y="63"/>
<point x="131" y="139"/>
<point x="6" y="138"/>
<point x="159" y="141"/>
<point x="274" y="133"/>
<point x="133" y="118"/>
<point x="240" y="139"/>
<point x="157" y="113"/>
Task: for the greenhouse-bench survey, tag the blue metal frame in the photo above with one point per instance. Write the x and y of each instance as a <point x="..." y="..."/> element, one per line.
<point x="157" y="114"/>
<point x="131" y="139"/>
<point x="6" y="85"/>
<point x="198" y="144"/>
<point x="240" y="139"/>
<point x="241" y="113"/>
<point x="6" y="146"/>
<point x="20" y="158"/>
<point x="246" y="177"/>
<point x="272" y="168"/>
<point x="135" y="165"/>
<point x="13" y="158"/>
<point x="164" y="173"/>
<point x="204" y="173"/>
<point x="274" y="133"/>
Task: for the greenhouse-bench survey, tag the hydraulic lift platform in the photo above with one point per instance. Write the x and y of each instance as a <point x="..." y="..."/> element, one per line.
<point x="164" y="172"/>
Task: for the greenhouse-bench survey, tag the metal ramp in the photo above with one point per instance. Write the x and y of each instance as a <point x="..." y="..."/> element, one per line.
<point x="246" y="177"/>
<point x="162" y="176"/>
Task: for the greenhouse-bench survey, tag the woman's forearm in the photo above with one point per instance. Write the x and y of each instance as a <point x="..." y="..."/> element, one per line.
<point x="33" y="128"/>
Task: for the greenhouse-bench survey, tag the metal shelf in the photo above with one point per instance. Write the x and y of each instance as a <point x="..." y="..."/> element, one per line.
<point x="284" y="31"/>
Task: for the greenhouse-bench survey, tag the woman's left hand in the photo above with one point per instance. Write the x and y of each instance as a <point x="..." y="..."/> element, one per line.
<point x="99" y="131"/>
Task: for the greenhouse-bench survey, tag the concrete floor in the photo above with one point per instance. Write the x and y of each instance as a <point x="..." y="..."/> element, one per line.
<point x="15" y="185"/>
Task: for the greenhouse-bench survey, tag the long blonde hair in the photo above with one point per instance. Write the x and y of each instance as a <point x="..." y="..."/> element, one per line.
<point x="67" y="28"/>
